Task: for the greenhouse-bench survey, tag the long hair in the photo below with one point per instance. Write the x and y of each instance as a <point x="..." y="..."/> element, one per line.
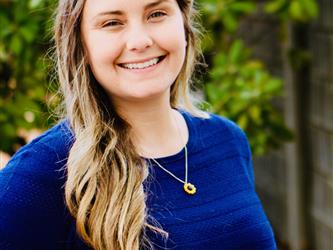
<point x="104" y="187"/>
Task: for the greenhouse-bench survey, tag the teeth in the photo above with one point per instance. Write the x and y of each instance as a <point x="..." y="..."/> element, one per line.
<point x="141" y="65"/>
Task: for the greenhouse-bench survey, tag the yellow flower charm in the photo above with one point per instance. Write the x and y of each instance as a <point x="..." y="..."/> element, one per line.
<point x="189" y="188"/>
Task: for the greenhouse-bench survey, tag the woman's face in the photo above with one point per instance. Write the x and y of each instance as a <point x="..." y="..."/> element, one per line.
<point x="136" y="48"/>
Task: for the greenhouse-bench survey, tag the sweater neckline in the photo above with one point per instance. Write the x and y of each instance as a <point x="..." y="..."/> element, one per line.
<point x="189" y="143"/>
<point x="170" y="158"/>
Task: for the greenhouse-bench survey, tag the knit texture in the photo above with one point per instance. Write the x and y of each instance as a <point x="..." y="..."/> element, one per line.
<point x="225" y="213"/>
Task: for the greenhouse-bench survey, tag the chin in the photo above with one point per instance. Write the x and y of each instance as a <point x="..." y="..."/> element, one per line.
<point x="145" y="96"/>
<point x="148" y="95"/>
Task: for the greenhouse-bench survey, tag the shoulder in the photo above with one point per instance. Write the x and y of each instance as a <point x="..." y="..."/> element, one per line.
<point x="224" y="123"/>
<point x="214" y="124"/>
<point x="220" y="135"/>
<point x="31" y="193"/>
<point x="43" y="154"/>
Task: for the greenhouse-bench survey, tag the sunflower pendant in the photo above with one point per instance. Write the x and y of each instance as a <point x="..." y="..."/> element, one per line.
<point x="189" y="188"/>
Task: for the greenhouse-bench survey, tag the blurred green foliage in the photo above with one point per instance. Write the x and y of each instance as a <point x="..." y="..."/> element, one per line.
<point x="241" y="89"/>
<point x="23" y="71"/>
<point x="238" y="86"/>
<point x="296" y="10"/>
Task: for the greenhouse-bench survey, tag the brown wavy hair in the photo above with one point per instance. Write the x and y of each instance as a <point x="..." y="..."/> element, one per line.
<point x="104" y="188"/>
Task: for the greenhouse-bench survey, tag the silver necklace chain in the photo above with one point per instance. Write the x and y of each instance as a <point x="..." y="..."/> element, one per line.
<point x="188" y="187"/>
<point x="186" y="168"/>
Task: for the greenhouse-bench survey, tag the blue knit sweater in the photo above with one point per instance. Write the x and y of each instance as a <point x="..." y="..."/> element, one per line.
<point x="225" y="213"/>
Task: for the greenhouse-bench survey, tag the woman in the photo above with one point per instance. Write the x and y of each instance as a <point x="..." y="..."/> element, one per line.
<point x="134" y="164"/>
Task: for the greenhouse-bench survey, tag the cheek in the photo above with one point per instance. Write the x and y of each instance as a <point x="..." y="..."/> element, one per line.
<point x="171" y="36"/>
<point x="101" y="50"/>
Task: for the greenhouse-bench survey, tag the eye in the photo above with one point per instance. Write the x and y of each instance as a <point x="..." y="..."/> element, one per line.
<point x="112" y="23"/>
<point x="157" y="14"/>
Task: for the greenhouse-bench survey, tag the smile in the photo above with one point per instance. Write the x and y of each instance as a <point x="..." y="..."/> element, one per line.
<point x="143" y="65"/>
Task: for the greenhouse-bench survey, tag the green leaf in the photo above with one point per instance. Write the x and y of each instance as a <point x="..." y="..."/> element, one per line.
<point x="273" y="86"/>
<point x="242" y="121"/>
<point x="27" y="33"/>
<point x="243" y="7"/>
<point x="209" y="7"/>
<point x="35" y="3"/>
<point x="311" y="8"/>
<point x="236" y="51"/>
<point x="229" y="21"/>
<point x="296" y="11"/>
<point x="211" y="92"/>
<point x="16" y="45"/>
<point x="275" y="6"/>
<point x="254" y="112"/>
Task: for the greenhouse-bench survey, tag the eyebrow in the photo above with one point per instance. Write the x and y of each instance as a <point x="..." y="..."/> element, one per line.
<point x="119" y="12"/>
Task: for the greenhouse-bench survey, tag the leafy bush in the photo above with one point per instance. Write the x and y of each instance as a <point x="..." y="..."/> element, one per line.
<point x="241" y="89"/>
<point x="238" y="86"/>
<point x="296" y="10"/>
<point x="23" y="71"/>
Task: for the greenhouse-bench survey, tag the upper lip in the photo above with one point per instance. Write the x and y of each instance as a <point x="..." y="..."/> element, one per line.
<point x="141" y="60"/>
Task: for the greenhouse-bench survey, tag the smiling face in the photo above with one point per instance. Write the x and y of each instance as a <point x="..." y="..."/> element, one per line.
<point x="135" y="48"/>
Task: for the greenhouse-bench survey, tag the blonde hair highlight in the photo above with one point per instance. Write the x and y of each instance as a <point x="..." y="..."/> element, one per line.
<point x="104" y="188"/>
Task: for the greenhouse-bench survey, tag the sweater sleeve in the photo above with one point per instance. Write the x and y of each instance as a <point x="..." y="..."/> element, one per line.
<point x="248" y="157"/>
<point x="32" y="211"/>
<point x="242" y="145"/>
<point x="236" y="136"/>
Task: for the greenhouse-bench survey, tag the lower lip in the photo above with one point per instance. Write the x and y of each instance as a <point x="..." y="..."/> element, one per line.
<point x="145" y="70"/>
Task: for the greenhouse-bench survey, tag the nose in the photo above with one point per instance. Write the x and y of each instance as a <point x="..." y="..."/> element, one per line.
<point x="138" y="39"/>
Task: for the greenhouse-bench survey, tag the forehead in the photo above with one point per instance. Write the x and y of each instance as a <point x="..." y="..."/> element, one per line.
<point x="93" y="7"/>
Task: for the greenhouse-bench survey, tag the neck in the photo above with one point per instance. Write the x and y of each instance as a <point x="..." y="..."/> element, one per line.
<point x="157" y="129"/>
